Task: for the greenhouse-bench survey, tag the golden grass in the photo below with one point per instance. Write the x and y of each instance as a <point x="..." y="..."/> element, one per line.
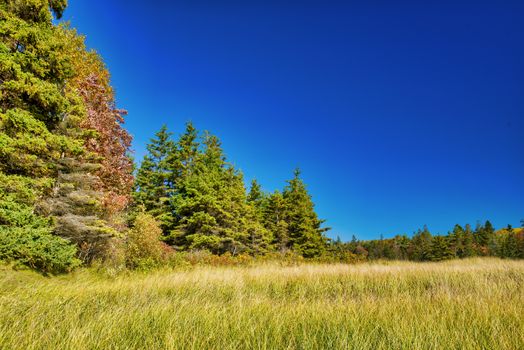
<point x="471" y="304"/>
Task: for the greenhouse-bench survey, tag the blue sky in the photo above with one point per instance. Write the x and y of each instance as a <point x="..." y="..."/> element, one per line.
<point x="399" y="113"/>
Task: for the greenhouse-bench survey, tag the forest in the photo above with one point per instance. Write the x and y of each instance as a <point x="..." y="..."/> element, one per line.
<point x="70" y="195"/>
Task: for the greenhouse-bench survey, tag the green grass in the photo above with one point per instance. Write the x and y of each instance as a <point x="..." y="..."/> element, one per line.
<point x="472" y="304"/>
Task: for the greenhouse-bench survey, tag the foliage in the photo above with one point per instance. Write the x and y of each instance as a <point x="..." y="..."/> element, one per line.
<point x="27" y="239"/>
<point x="202" y="203"/>
<point x="144" y="249"/>
<point x="154" y="185"/>
<point x="462" y="242"/>
<point x="63" y="152"/>
<point x="104" y="134"/>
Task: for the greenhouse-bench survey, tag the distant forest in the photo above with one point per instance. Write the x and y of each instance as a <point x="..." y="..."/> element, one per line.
<point x="70" y="194"/>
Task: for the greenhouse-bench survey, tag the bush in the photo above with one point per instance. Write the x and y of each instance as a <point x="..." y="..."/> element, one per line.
<point x="37" y="249"/>
<point x="144" y="250"/>
<point x="26" y="240"/>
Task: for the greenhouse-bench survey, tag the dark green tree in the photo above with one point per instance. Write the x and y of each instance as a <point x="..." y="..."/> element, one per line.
<point x="212" y="208"/>
<point x="154" y="186"/>
<point x="306" y="235"/>
<point x="420" y="246"/>
<point x="440" y="249"/>
<point x="185" y="155"/>
<point x="275" y="219"/>
<point x="467" y="242"/>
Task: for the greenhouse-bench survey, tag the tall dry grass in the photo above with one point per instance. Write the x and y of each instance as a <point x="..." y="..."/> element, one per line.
<point x="472" y="304"/>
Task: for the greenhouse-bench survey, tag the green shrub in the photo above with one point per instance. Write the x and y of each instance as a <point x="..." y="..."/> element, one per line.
<point x="37" y="249"/>
<point x="144" y="250"/>
<point x="26" y="239"/>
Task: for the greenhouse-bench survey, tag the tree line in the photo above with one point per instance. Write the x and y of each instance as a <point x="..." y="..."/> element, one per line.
<point x="69" y="194"/>
<point x="461" y="242"/>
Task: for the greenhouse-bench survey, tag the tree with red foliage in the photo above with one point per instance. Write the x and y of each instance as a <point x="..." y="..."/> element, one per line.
<point x="103" y="123"/>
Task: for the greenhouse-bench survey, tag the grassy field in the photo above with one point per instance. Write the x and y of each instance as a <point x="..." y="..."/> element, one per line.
<point x="472" y="304"/>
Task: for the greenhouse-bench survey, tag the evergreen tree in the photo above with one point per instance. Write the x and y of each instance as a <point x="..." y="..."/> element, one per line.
<point x="484" y="236"/>
<point x="275" y="220"/>
<point x="306" y="236"/>
<point x="256" y="196"/>
<point x="212" y="208"/>
<point x="185" y="155"/>
<point x="509" y="245"/>
<point x="456" y="240"/>
<point x="467" y="242"/>
<point x="440" y="249"/>
<point x="34" y="106"/>
<point x="353" y="244"/>
<point x="420" y="246"/>
<point x="154" y="180"/>
<point x="75" y="204"/>
<point x="401" y="247"/>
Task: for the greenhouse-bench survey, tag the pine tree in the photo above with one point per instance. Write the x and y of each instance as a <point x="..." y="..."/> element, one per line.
<point x="34" y="106"/>
<point x="467" y="242"/>
<point x="212" y="208"/>
<point x="75" y="204"/>
<point x="491" y="237"/>
<point x="440" y="249"/>
<point x="153" y="183"/>
<point x="306" y="236"/>
<point x="185" y="155"/>
<point x="509" y="245"/>
<point x="420" y="247"/>
<point x="256" y="196"/>
<point x="353" y="244"/>
<point x="456" y="240"/>
<point x="275" y="220"/>
<point x="401" y="243"/>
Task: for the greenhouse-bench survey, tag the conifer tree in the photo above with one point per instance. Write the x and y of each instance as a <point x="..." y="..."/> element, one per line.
<point x="257" y="199"/>
<point x="484" y="236"/>
<point x="509" y="245"/>
<point x="456" y="240"/>
<point x="212" y="208"/>
<point x="153" y="183"/>
<point x="33" y="108"/>
<point x="75" y="204"/>
<point x="306" y="236"/>
<point x="185" y="155"/>
<point x="440" y="249"/>
<point x="275" y="220"/>
<point x="420" y="247"/>
<point x="467" y="242"/>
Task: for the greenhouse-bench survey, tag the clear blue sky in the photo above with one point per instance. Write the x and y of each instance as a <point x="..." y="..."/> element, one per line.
<point x="399" y="113"/>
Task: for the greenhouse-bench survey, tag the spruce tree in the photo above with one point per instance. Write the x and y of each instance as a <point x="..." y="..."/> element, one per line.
<point x="420" y="246"/>
<point x="75" y="203"/>
<point x="485" y="238"/>
<point x="275" y="220"/>
<point x="467" y="242"/>
<point x="440" y="249"/>
<point x="154" y="187"/>
<point x="306" y="236"/>
<point x="212" y="208"/>
<point x="185" y="155"/>
<point x="34" y="107"/>
<point x="456" y="240"/>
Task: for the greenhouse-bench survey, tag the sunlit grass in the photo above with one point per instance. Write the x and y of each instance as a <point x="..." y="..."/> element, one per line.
<point x="472" y="304"/>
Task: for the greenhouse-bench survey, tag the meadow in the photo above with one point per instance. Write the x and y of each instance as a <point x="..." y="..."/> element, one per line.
<point x="459" y="304"/>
